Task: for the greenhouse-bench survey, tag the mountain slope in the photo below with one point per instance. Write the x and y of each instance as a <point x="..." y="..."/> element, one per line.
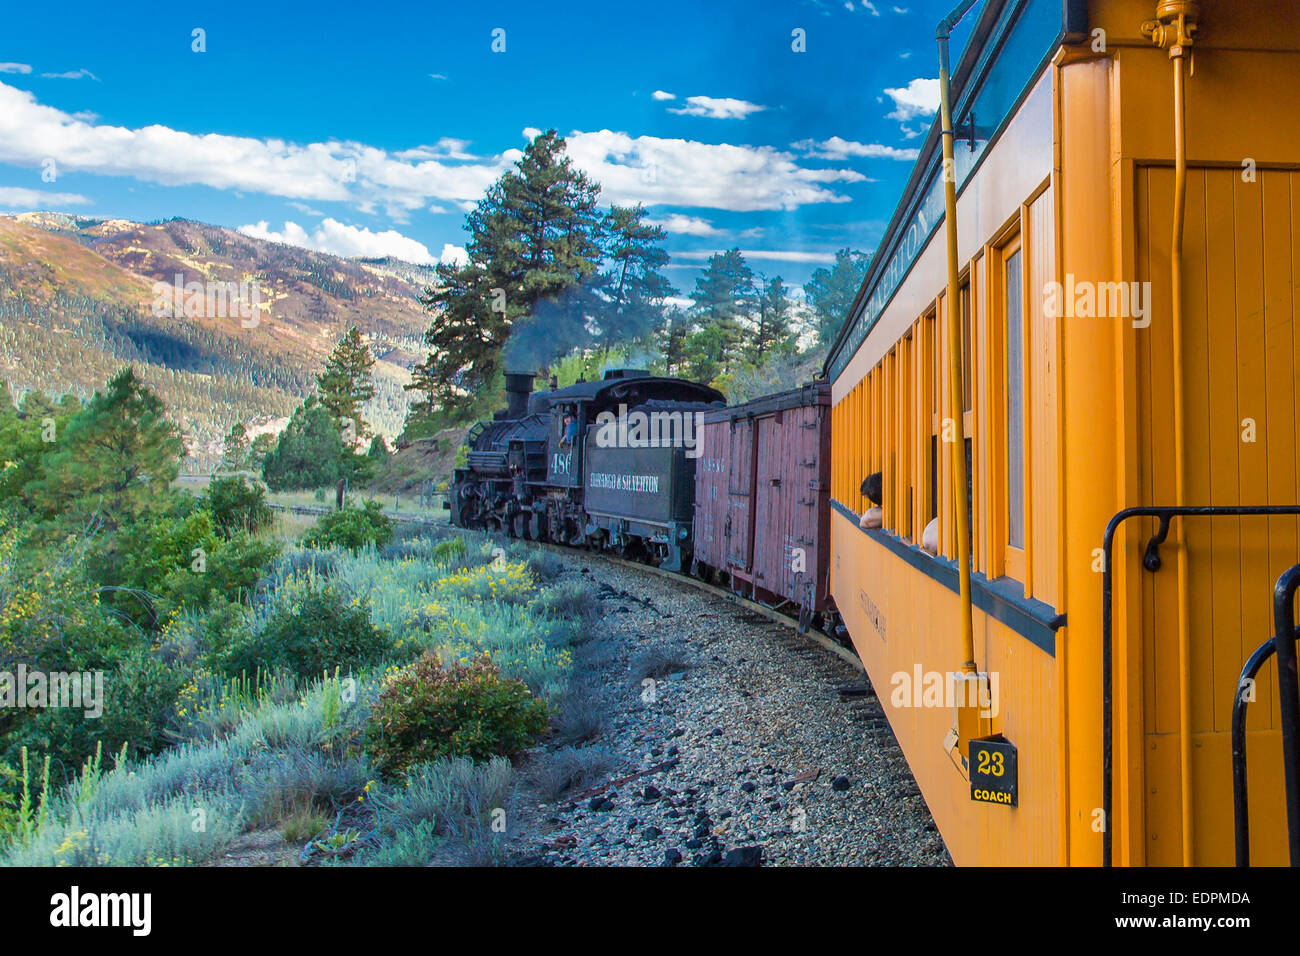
<point x="78" y="297"/>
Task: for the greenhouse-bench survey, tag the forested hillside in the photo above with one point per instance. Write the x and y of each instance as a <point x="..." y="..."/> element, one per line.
<point x="78" y="297"/>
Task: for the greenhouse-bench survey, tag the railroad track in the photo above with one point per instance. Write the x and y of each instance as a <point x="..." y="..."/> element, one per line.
<point x="814" y="636"/>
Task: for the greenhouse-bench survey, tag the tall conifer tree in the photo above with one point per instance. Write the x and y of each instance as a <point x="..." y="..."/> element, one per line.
<point x="533" y="238"/>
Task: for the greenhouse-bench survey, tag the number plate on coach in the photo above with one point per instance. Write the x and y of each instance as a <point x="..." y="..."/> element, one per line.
<point x="993" y="774"/>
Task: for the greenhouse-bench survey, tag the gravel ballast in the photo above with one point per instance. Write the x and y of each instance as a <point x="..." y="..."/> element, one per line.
<point x="726" y="739"/>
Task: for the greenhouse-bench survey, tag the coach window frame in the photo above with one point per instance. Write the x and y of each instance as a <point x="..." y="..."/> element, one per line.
<point x="1012" y="561"/>
<point x="933" y="349"/>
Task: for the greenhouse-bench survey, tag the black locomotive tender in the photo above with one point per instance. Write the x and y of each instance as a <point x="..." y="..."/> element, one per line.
<point x="558" y="466"/>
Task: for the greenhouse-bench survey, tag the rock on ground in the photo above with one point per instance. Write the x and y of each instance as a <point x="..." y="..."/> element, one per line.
<point x="748" y="745"/>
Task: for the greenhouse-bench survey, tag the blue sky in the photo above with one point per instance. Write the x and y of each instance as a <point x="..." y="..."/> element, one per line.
<point x="368" y="129"/>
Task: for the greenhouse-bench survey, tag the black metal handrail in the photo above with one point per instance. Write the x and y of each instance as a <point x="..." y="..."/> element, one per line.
<point x="1288" y="692"/>
<point x="1151" y="561"/>
<point x="1240" y="801"/>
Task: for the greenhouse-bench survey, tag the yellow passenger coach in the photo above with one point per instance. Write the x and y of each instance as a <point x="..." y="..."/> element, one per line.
<point x="1127" y="275"/>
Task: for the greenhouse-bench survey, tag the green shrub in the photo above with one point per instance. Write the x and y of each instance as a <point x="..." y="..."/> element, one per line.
<point x="312" y="630"/>
<point x="178" y="559"/>
<point x="351" y="528"/>
<point x="428" y="711"/>
<point x="140" y="709"/>
<point x="236" y="505"/>
<point x="449" y="550"/>
<point x="229" y="572"/>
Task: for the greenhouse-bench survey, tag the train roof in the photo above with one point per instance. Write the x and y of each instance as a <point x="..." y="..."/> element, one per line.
<point x="816" y="393"/>
<point x="1010" y="45"/>
<point x="634" y="390"/>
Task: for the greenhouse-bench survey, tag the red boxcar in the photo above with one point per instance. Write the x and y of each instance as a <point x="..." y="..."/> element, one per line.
<point x="762" y="499"/>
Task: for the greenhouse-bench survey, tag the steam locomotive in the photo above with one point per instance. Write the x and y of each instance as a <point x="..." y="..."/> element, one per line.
<point x="603" y="465"/>
<point x="662" y="470"/>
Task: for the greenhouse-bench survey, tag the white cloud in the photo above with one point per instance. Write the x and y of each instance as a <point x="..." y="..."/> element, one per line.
<point x="661" y="95"/>
<point x="14" y="197"/>
<point x="686" y="225"/>
<point x="453" y="255"/>
<point x="437" y="76"/>
<point x="445" y="148"/>
<point x="717" y="107"/>
<point x="81" y="74"/>
<point x="15" y="68"/>
<point x="653" y="170"/>
<point x="774" y="255"/>
<point x="919" y="98"/>
<point x="325" y="171"/>
<point x="678" y="172"/>
<point x="837" y="148"/>
<point x="338" y="239"/>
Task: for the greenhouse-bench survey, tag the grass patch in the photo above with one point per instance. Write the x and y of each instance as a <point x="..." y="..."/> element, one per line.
<point x="657" y="661"/>
<point x="570" y="769"/>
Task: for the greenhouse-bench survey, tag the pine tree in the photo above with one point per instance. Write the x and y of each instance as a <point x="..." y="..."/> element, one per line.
<point x="772" y="331"/>
<point x="116" y="458"/>
<point x="534" y="237"/>
<point x="705" y="350"/>
<point x="378" y="451"/>
<point x="262" y="446"/>
<point x="632" y="285"/>
<point x="345" y="384"/>
<point x="724" y="301"/>
<point x="672" y="336"/>
<point x="309" y="453"/>
<point x="831" y="292"/>
<point x="235" y="453"/>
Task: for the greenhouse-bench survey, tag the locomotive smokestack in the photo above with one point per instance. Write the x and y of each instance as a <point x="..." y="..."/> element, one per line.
<point x="519" y="385"/>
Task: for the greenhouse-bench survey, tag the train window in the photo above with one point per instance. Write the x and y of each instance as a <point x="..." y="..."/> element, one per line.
<point x="1014" y="308"/>
<point x="934" y="476"/>
<point x="906" y="434"/>
<point x="930" y="411"/>
<point x="964" y="300"/>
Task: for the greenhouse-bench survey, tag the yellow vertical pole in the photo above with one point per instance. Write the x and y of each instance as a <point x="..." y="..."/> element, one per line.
<point x="952" y="317"/>
<point x="1176" y="22"/>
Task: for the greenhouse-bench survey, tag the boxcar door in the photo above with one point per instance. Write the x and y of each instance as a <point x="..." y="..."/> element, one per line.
<point x="740" y="489"/>
<point x="772" y="516"/>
